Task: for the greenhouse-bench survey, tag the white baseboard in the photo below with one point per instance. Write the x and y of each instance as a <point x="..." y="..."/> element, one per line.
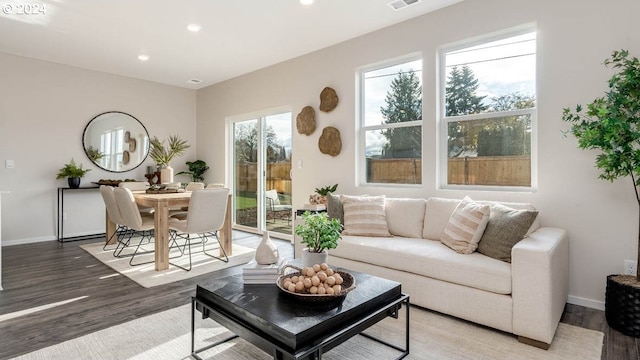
<point x="27" y="241"/>
<point x="590" y="303"/>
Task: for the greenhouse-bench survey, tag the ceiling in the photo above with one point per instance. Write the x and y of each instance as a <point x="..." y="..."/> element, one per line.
<point x="237" y="36"/>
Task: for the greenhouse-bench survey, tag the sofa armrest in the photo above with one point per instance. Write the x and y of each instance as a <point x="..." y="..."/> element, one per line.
<point x="540" y="283"/>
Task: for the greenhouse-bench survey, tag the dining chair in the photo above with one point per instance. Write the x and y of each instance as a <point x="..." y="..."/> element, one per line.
<point x="114" y="214"/>
<point x="274" y="206"/>
<point x="181" y="211"/>
<point x="194" y="186"/>
<point x="214" y="186"/>
<point x="138" y="224"/>
<point x="206" y="215"/>
<point x="137" y="186"/>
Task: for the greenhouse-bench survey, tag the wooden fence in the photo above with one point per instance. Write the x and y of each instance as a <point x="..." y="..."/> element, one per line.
<point x="483" y="170"/>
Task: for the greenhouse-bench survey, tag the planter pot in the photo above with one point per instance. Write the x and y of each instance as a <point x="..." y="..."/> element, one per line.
<point x="312" y="258"/>
<point x="622" y="304"/>
<point x="74" y="182"/>
<point x="166" y="174"/>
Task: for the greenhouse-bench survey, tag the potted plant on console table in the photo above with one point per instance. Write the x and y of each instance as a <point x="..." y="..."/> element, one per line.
<point x="320" y="234"/>
<point x="73" y="173"/>
<point x="611" y="124"/>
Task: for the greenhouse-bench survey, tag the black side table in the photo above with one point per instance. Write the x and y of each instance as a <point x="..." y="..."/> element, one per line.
<point x="60" y="214"/>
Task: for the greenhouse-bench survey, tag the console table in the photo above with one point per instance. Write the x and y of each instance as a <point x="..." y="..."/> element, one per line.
<point x="60" y="214"/>
<point x="1" y="192"/>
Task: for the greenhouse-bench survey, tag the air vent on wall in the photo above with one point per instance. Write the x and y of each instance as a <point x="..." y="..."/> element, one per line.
<point x="401" y="4"/>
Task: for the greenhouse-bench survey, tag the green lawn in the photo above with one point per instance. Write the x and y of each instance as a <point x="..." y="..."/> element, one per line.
<point x="247" y="200"/>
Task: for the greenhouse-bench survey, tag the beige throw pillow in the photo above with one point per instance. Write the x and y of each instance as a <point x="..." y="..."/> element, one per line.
<point x="506" y="227"/>
<point x="465" y="226"/>
<point x="364" y="216"/>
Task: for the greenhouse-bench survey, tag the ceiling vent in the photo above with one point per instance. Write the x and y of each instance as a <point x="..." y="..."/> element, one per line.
<point x="401" y="4"/>
<point x="194" y="81"/>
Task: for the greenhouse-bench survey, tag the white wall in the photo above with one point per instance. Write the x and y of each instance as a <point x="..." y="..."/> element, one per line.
<point x="574" y="37"/>
<point x="44" y="108"/>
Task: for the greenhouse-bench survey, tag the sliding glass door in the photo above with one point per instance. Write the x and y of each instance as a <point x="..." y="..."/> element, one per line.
<point x="261" y="173"/>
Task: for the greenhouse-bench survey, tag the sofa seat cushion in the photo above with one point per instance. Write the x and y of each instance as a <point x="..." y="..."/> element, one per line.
<point x="428" y="258"/>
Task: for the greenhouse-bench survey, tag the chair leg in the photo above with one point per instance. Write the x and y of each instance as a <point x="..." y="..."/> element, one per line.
<point x="148" y="235"/>
<point x="225" y="258"/>
<point x="187" y="243"/>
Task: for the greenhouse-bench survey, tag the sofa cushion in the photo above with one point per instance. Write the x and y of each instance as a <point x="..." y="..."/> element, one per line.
<point x="506" y="227"/>
<point x="437" y="216"/>
<point x="334" y="207"/>
<point x="465" y="226"/>
<point x="405" y="217"/>
<point x="518" y="206"/>
<point x="428" y="258"/>
<point x="364" y="216"/>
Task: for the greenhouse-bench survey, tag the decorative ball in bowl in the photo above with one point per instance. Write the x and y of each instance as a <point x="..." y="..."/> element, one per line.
<point x="317" y="283"/>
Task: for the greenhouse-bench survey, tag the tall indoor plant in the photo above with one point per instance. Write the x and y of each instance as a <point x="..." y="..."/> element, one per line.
<point x="163" y="155"/>
<point x="196" y="170"/>
<point x="319" y="234"/>
<point x="611" y="125"/>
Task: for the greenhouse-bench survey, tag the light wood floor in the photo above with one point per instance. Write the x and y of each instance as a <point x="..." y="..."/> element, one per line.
<point x="40" y="274"/>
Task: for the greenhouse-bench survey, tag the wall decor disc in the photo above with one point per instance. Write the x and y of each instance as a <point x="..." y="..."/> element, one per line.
<point x="125" y="157"/>
<point x="132" y="145"/>
<point x="329" y="142"/>
<point x="328" y="99"/>
<point x="306" y="121"/>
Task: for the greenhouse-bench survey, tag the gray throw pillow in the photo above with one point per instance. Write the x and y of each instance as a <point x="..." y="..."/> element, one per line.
<point x="335" y="210"/>
<point x="506" y="227"/>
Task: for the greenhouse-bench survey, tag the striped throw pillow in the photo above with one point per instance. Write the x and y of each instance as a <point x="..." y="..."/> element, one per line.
<point x="466" y="226"/>
<point x="364" y="216"/>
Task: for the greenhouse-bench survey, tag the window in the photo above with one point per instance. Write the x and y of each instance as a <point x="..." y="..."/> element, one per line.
<point x="391" y="124"/>
<point x="488" y="108"/>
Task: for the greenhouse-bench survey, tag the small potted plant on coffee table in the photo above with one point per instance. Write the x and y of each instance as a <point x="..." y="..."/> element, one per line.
<point x="319" y="234"/>
<point x="73" y="173"/>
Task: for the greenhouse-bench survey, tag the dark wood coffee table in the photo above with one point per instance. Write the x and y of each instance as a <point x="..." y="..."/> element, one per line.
<point x="288" y="329"/>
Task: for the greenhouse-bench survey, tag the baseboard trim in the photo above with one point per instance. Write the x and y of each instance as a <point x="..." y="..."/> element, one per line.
<point x="27" y="241"/>
<point x="590" y="303"/>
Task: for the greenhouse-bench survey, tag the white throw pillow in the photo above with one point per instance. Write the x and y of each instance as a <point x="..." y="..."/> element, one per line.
<point x="466" y="226"/>
<point x="405" y="217"/>
<point x="364" y="216"/>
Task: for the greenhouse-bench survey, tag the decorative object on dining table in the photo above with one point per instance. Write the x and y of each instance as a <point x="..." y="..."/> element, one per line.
<point x="330" y="142"/>
<point x="163" y="155"/>
<point x="318" y="284"/>
<point x="306" y="121"/>
<point x="328" y="99"/>
<point x="196" y="170"/>
<point x="320" y="234"/>
<point x="73" y="173"/>
<point x="267" y="251"/>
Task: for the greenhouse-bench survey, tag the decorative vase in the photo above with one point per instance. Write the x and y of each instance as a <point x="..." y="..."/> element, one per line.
<point x="622" y="300"/>
<point x="166" y="174"/>
<point x="267" y="251"/>
<point x="311" y="258"/>
<point x="74" y="182"/>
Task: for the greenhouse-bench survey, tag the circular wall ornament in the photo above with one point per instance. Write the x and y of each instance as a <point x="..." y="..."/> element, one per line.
<point x="132" y="145"/>
<point x="328" y="99"/>
<point x="306" y="121"/>
<point x="329" y="142"/>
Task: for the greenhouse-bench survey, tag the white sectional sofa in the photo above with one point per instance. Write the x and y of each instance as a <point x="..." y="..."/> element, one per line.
<point x="525" y="297"/>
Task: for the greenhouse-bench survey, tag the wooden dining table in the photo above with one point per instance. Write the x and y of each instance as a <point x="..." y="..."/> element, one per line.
<point x="161" y="204"/>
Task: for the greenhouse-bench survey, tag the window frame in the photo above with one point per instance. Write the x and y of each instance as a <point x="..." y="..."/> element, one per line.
<point x="444" y="120"/>
<point x="362" y="128"/>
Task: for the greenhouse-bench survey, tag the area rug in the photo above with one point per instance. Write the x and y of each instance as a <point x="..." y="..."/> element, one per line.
<point x="146" y="275"/>
<point x="434" y="336"/>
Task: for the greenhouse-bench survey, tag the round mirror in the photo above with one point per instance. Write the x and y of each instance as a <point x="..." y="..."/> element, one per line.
<point x="116" y="141"/>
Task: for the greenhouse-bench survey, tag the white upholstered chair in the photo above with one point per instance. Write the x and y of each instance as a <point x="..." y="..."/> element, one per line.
<point x="138" y="224"/>
<point x="194" y="186"/>
<point x="274" y="207"/>
<point x="214" y="186"/>
<point x="206" y="215"/>
<point x="114" y="215"/>
<point x="137" y="186"/>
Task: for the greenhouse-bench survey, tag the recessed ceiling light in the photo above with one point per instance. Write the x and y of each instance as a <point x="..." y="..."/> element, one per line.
<point x="194" y="81"/>
<point x="194" y="27"/>
<point x="306" y="2"/>
<point x="143" y="57"/>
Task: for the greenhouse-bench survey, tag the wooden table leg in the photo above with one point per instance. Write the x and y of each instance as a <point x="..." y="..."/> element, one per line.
<point x="225" y="232"/>
<point x="110" y="227"/>
<point x="161" y="235"/>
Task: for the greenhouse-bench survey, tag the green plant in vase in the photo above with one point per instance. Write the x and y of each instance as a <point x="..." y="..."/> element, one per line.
<point x="611" y="125"/>
<point x="319" y="234"/>
<point x="196" y="170"/>
<point x="73" y="173"/>
<point x="164" y="155"/>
